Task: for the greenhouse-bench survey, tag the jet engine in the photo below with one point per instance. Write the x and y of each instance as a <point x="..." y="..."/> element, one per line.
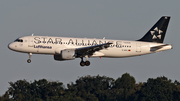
<point x="65" y="55"/>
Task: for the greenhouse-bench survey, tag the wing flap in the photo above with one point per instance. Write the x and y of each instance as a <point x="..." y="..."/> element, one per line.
<point x="97" y="54"/>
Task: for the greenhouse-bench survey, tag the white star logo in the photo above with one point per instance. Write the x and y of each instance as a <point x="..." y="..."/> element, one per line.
<point x="156" y="33"/>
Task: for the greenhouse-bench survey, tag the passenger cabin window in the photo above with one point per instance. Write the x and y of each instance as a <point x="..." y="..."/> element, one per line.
<point x="18" y="40"/>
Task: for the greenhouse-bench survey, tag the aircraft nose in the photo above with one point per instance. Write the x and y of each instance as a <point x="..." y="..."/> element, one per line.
<point x="10" y="46"/>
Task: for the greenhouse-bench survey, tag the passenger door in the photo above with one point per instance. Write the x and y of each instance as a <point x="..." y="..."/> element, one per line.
<point x="30" y="42"/>
<point x="138" y="47"/>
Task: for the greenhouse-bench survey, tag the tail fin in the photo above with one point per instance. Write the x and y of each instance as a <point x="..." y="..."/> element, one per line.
<point x="157" y="32"/>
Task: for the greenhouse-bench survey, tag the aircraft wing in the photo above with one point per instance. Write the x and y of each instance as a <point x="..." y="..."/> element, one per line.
<point x="91" y="49"/>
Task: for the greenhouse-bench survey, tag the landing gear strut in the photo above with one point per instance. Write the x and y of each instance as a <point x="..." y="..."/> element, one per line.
<point x="82" y="63"/>
<point x="29" y="60"/>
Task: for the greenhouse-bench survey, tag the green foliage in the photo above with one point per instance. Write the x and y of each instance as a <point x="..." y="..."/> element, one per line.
<point x="125" y="87"/>
<point x="94" y="88"/>
<point x="38" y="90"/>
<point x="159" y="89"/>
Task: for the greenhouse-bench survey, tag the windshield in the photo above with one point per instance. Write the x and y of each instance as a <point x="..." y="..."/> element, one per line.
<point x="18" y="40"/>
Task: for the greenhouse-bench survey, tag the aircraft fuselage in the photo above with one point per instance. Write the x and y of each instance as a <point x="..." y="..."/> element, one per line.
<point x="53" y="45"/>
<point x="68" y="48"/>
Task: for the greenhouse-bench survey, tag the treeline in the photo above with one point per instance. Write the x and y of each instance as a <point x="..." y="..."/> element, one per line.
<point x="94" y="88"/>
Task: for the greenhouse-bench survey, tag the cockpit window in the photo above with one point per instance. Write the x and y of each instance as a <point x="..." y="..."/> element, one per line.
<point x="18" y="40"/>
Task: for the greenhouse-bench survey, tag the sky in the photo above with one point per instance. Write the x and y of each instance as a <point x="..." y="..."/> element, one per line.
<point x="112" y="19"/>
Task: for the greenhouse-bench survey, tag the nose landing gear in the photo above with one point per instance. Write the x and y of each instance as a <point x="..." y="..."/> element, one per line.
<point x="29" y="60"/>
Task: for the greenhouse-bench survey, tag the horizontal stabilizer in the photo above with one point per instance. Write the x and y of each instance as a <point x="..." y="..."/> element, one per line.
<point x="156" y="48"/>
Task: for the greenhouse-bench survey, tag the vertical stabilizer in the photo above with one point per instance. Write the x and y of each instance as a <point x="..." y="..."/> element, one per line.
<point x="158" y="31"/>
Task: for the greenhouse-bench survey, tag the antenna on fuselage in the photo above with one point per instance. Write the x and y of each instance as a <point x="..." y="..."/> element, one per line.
<point x="32" y="34"/>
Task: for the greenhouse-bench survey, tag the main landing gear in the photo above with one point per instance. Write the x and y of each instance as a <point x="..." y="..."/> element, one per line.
<point x="29" y="60"/>
<point x="86" y="63"/>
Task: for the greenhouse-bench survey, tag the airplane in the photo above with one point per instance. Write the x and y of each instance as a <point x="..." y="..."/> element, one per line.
<point x="69" y="48"/>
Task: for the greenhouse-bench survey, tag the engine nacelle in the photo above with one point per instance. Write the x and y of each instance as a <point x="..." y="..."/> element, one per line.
<point x="65" y="55"/>
<point x="58" y="50"/>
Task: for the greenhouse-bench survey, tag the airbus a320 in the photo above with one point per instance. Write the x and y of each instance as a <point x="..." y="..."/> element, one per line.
<point x="69" y="48"/>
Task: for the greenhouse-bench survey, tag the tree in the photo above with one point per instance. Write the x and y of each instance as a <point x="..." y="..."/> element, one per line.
<point x="42" y="89"/>
<point x="124" y="87"/>
<point x="159" y="89"/>
<point x="94" y="88"/>
<point x="97" y="85"/>
<point x="5" y="97"/>
<point x="19" y="90"/>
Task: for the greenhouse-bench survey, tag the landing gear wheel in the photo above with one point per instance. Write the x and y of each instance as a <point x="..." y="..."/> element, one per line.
<point x="87" y="63"/>
<point x="82" y="63"/>
<point x="29" y="60"/>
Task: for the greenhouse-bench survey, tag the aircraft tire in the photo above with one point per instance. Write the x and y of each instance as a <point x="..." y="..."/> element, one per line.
<point x="87" y="63"/>
<point x="82" y="63"/>
<point x="29" y="61"/>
